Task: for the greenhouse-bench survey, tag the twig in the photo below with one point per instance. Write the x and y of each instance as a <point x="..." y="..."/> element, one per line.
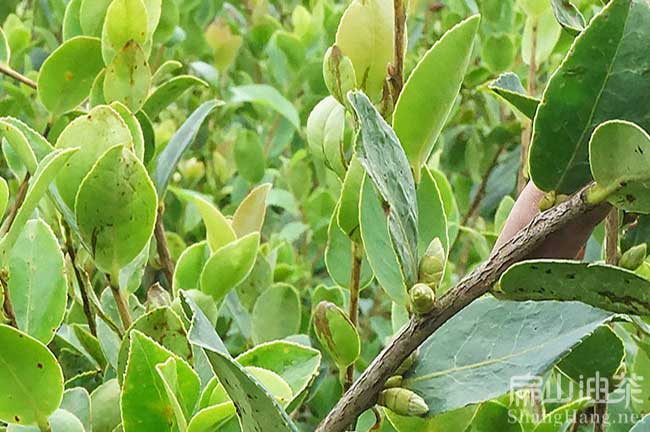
<point x="532" y="89"/>
<point x="163" y="249"/>
<point x="397" y="70"/>
<point x="92" y="325"/>
<point x="7" y="305"/>
<point x="363" y="393"/>
<point x="122" y="304"/>
<point x="20" y="197"/>
<point x="480" y="192"/>
<point x="6" y="70"/>
<point x="354" y="303"/>
<point x="611" y="239"/>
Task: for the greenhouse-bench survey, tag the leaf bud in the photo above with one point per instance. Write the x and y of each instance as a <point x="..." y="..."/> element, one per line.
<point x="394" y="381"/>
<point x="338" y="73"/>
<point x="633" y="257"/>
<point x="336" y="333"/>
<point x="432" y="264"/>
<point x="406" y="365"/>
<point x="422" y="298"/>
<point x="403" y="402"/>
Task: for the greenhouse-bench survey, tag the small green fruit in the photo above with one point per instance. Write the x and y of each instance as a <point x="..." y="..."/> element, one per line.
<point x="336" y="333"/>
<point x="633" y="257"/>
<point x="432" y="264"/>
<point x="422" y="298"/>
<point x="338" y="73"/>
<point x="403" y="402"/>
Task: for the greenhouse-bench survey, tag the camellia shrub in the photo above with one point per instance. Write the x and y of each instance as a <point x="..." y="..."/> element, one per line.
<point x="324" y="215"/>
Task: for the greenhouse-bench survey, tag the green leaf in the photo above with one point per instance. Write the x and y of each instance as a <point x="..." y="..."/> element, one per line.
<point x="77" y="401"/>
<point x="37" y="281"/>
<point x="128" y="77"/>
<point x="105" y="401"/>
<point x="132" y="123"/>
<point x="432" y="219"/>
<point x="45" y="174"/>
<point x="365" y="35"/>
<point x="425" y="104"/>
<point x="4" y="196"/>
<point x="172" y="153"/>
<point x="598" y="356"/>
<point x="498" y="52"/>
<point x="92" y="14"/>
<point x="492" y="416"/>
<point x="39" y="145"/>
<point x="296" y="364"/>
<point x="101" y="129"/>
<point x="348" y="205"/>
<point x="30" y="378"/>
<point x="249" y="156"/>
<point x="60" y="421"/>
<point x="569" y="16"/>
<point x="182" y="387"/>
<point x="169" y="19"/>
<point x="337" y="334"/>
<point x="509" y="87"/>
<point x="256" y="408"/>
<point x="126" y="21"/>
<point x="144" y="401"/>
<point x="378" y="245"/>
<point x="67" y="75"/>
<point x="187" y="273"/>
<point x="5" y="49"/>
<point x="380" y="153"/>
<point x="501" y="340"/>
<point x="606" y="287"/>
<point x="546" y="37"/>
<point x="602" y="64"/>
<point x="267" y="96"/>
<point x="211" y="418"/>
<point x="164" y="327"/>
<point x="326" y="134"/>
<point x="229" y="265"/>
<point x="72" y="20"/>
<point x="218" y="228"/>
<point x="169" y="92"/>
<point x="18" y="142"/>
<point x="117" y="222"/>
<point x="619" y="156"/>
<point x="276" y="314"/>
<point x="274" y="383"/>
<point x="249" y="216"/>
<point x="643" y="425"/>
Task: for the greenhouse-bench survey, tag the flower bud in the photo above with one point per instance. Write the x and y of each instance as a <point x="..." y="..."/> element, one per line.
<point x="432" y="264"/>
<point x="394" y="381"/>
<point x="548" y="200"/>
<point x="422" y="298"/>
<point x="336" y="333"/>
<point x="338" y="73"/>
<point x="406" y="365"/>
<point x="403" y="402"/>
<point x="633" y="257"/>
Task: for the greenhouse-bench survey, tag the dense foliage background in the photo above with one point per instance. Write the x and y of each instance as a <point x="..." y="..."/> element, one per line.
<point x="231" y="122"/>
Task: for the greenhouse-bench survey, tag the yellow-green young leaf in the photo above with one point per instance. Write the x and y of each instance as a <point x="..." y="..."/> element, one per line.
<point x="276" y="313"/>
<point x="169" y="19"/>
<point x="18" y="142"/>
<point x="164" y="327"/>
<point x="72" y="20"/>
<point x="154" y="11"/>
<point x="5" y="50"/>
<point x="273" y="383"/>
<point x="425" y="103"/>
<point x="249" y="216"/>
<point x="134" y="127"/>
<point x="348" y="208"/>
<point x="534" y="7"/>
<point x="498" y="52"/>
<point x="126" y="20"/>
<point x="145" y="404"/>
<point x="249" y="156"/>
<point x="91" y="16"/>
<point x="39" y="145"/>
<point x="366" y="36"/>
<point x="218" y="228"/>
<point x="187" y="273"/>
<point x="96" y="96"/>
<point x="128" y="77"/>
<point x="30" y="378"/>
<point x="165" y="70"/>
<point x="94" y="133"/>
<point x="619" y="155"/>
<point x="336" y="333"/>
<point x="548" y="33"/>
<point x="169" y="92"/>
<point x="4" y="196"/>
<point x="37" y="281"/>
<point x="229" y="266"/>
<point x="182" y="387"/>
<point x="211" y="418"/>
<point x="45" y="174"/>
<point x="325" y="134"/>
<point x="116" y="209"/>
<point x="68" y="73"/>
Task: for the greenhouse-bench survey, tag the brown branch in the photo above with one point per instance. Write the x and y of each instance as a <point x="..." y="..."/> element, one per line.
<point x="6" y="70"/>
<point x="90" y="318"/>
<point x="122" y="305"/>
<point x="20" y="197"/>
<point x="363" y="393"/>
<point x="7" y="305"/>
<point x="353" y="314"/>
<point x="163" y="249"/>
<point x="396" y="71"/>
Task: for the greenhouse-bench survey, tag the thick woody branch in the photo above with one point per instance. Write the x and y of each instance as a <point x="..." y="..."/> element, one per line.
<point x="363" y="393"/>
